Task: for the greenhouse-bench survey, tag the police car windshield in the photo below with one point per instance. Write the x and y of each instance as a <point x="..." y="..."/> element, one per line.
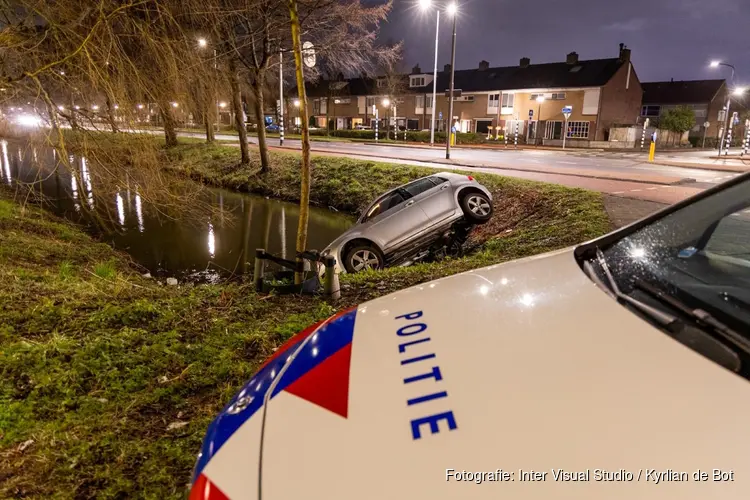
<point x="699" y="253"/>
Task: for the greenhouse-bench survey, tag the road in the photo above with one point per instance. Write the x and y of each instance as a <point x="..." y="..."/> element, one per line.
<point x="626" y="175"/>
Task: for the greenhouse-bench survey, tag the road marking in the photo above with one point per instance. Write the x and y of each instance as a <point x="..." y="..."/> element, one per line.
<point x="651" y="189"/>
<point x="618" y="192"/>
<point x="635" y="190"/>
<point x="568" y="162"/>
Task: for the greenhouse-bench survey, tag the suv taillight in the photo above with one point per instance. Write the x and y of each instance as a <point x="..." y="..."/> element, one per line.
<point x="470" y="178"/>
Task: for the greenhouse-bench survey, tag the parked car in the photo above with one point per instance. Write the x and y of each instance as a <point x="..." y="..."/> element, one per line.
<point x="405" y="222"/>
<point x="569" y="366"/>
<point x="361" y="127"/>
<point x="272" y="127"/>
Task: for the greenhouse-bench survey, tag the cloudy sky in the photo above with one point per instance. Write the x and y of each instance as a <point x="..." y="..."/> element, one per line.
<point x="669" y="38"/>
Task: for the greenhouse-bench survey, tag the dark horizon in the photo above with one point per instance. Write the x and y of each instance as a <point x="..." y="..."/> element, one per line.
<point x="670" y="39"/>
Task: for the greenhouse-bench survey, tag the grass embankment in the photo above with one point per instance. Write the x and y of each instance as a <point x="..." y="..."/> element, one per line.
<point x="108" y="380"/>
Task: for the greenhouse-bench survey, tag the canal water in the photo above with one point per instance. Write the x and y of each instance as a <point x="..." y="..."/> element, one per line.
<point x="216" y="245"/>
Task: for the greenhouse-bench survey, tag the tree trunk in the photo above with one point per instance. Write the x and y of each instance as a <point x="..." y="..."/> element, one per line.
<point x="258" y="84"/>
<point x="208" y="116"/>
<point x="328" y="108"/>
<point x="239" y="122"/>
<point x="73" y="120"/>
<point x="170" y="132"/>
<point x="304" y="199"/>
<point x="111" y="116"/>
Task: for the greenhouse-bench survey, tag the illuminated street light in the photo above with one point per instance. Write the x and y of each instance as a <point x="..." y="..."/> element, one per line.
<point x="174" y="105"/>
<point x="140" y="106"/>
<point x="61" y="108"/>
<point x="222" y="104"/>
<point x="425" y="4"/>
<point x="452" y="9"/>
<point x="739" y="91"/>
<point x="94" y="107"/>
<point x="386" y="102"/>
<point x="715" y="64"/>
<point x="202" y="42"/>
<point x="77" y="107"/>
<point x="296" y="103"/>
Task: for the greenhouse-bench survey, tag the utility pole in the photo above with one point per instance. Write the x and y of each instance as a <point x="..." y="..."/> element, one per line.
<point x="450" y="105"/>
<point x="434" y="82"/>
<point x="281" y="99"/>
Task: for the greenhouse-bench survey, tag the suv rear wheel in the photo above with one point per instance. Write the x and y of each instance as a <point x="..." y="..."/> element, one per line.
<point x="477" y="207"/>
<point x="362" y="257"/>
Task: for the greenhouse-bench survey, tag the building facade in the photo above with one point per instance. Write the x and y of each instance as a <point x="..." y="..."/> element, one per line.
<point x="530" y="97"/>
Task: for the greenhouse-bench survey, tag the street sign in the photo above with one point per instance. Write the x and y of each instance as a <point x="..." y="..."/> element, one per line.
<point x="440" y="115"/>
<point x="308" y="54"/>
<point x="567" y="111"/>
<point x="531" y="114"/>
<point x="456" y="93"/>
<point x="735" y="118"/>
<point x="706" y="124"/>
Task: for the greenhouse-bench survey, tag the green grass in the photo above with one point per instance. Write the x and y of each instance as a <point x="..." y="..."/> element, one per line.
<point x="97" y="361"/>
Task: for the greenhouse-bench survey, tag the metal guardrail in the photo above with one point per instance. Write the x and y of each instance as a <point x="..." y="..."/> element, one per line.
<point x="331" y="287"/>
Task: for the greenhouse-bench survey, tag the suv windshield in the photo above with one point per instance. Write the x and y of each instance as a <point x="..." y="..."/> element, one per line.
<point x="699" y="254"/>
<point x="382" y="205"/>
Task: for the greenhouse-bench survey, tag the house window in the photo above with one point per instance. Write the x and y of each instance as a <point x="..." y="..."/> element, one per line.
<point x="578" y="130"/>
<point x="370" y="102"/>
<point x="419" y="101"/>
<point x="558" y="96"/>
<point x="417" y="81"/>
<point x="428" y="102"/>
<point x="650" y="110"/>
<point x="316" y="107"/>
<point x="493" y="100"/>
<point x="508" y="100"/>
<point x="323" y="108"/>
<point x="381" y="83"/>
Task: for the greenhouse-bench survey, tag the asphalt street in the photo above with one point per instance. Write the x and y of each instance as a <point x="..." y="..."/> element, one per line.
<point x="620" y="174"/>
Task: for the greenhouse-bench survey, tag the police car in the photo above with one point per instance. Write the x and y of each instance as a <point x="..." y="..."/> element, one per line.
<point x="616" y="369"/>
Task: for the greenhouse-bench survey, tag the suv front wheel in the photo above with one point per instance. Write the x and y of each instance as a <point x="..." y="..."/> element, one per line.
<point x="362" y="257"/>
<point x="477" y="207"/>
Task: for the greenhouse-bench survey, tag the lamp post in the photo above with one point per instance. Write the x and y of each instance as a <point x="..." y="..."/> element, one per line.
<point x="727" y="134"/>
<point x="453" y="11"/>
<point x="540" y="100"/>
<point x="425" y="4"/>
<point x="203" y="43"/>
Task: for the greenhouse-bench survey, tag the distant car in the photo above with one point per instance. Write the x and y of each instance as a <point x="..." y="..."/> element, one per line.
<point x="273" y="127"/>
<point x="553" y="376"/>
<point x="361" y="127"/>
<point x="406" y="221"/>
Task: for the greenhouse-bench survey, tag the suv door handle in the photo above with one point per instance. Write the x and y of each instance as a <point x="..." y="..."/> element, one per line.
<point x="409" y="203"/>
<point x="444" y="186"/>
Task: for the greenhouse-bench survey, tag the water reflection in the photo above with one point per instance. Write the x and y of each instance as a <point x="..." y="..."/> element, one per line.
<point x="223" y="244"/>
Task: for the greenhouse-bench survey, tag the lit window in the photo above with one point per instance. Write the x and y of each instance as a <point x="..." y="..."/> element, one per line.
<point x="578" y="130"/>
<point x="508" y="100"/>
<point x="493" y="100"/>
<point x="558" y="96"/>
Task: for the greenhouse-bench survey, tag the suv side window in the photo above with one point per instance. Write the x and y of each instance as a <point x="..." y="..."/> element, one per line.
<point x="419" y="186"/>
<point x="385" y="203"/>
<point x="438" y="180"/>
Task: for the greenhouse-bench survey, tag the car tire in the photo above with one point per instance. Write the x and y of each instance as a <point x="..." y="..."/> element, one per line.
<point x="476" y="206"/>
<point x="363" y="256"/>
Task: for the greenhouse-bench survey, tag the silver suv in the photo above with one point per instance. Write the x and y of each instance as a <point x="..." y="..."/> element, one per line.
<point x="405" y="221"/>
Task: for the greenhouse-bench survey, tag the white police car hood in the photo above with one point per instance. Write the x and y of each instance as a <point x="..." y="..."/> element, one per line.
<point x="525" y="366"/>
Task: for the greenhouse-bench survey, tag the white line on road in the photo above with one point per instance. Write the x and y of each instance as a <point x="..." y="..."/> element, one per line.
<point x="568" y="162"/>
<point x="652" y="189"/>
<point x="619" y="192"/>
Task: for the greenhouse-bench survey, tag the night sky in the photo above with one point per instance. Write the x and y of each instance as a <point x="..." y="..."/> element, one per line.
<point x="669" y="38"/>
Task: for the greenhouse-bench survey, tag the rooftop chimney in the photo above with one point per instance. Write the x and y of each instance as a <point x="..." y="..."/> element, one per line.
<point x="624" y="53"/>
<point x="484" y="65"/>
<point x="572" y="58"/>
<point x="416" y="70"/>
<point x="525" y="62"/>
<point x="447" y="68"/>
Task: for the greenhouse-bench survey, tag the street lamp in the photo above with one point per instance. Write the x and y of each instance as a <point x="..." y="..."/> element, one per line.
<point x="728" y="124"/>
<point x="95" y="107"/>
<point x="175" y="105"/>
<point x="453" y="11"/>
<point x="296" y="103"/>
<point x="140" y="106"/>
<point x="202" y="42"/>
<point x="222" y="104"/>
<point x="424" y="5"/>
<point x="739" y="91"/>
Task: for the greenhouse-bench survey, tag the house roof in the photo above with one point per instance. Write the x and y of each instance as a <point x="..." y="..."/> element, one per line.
<point x="681" y="92"/>
<point x="591" y="73"/>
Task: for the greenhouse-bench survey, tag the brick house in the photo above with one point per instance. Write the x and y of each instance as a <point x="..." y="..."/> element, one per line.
<point x="707" y="98"/>
<point x="602" y="93"/>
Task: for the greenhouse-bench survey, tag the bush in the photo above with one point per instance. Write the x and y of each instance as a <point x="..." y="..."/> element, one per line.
<point x="713" y="142"/>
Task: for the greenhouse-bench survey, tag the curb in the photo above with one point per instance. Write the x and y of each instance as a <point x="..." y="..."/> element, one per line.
<point x="703" y="166"/>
